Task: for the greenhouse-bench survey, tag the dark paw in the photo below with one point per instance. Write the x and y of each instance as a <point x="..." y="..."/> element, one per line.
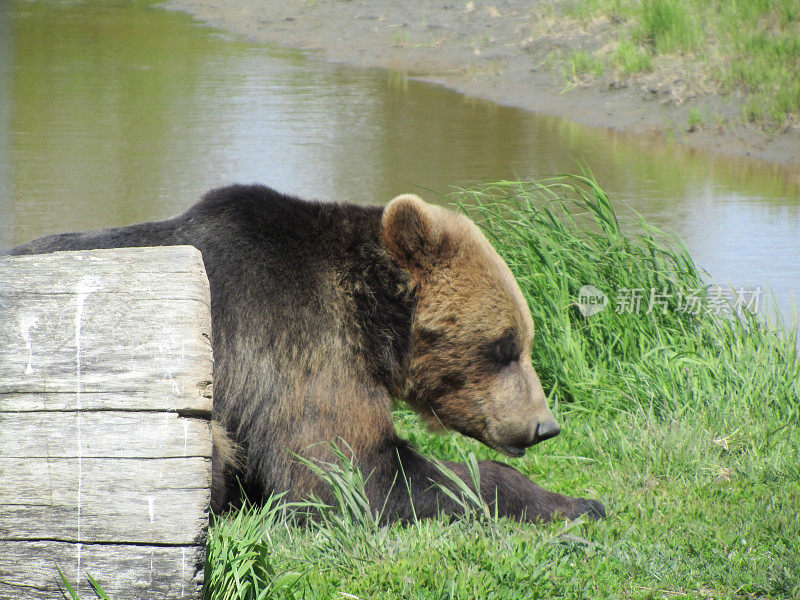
<point x="591" y="508"/>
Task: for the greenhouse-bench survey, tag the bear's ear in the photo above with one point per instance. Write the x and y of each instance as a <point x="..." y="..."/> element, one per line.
<point x="410" y="231"/>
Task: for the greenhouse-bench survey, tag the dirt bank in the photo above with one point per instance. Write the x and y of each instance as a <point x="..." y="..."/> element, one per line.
<point x="511" y="52"/>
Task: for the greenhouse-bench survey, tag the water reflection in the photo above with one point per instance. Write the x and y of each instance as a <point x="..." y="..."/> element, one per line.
<point x="121" y="112"/>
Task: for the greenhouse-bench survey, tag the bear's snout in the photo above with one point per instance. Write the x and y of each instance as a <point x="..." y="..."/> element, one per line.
<point x="538" y="433"/>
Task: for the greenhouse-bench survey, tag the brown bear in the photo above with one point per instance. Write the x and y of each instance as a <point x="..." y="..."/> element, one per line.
<point x="323" y="314"/>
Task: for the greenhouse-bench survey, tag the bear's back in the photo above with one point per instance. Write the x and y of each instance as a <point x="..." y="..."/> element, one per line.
<point x="283" y="233"/>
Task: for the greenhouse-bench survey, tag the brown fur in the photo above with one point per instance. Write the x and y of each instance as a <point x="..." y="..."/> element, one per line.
<point x="227" y="451"/>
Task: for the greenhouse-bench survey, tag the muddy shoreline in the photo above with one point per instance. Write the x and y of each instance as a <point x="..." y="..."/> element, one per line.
<point x="502" y="53"/>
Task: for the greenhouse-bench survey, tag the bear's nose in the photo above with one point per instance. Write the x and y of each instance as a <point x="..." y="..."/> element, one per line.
<point x="542" y="431"/>
<point x="545" y="431"/>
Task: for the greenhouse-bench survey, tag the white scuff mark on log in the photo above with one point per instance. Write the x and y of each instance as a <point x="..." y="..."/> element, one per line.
<point x="183" y="569"/>
<point x="79" y="547"/>
<point x="150" y="500"/>
<point x="173" y="362"/>
<point x="185" y="436"/>
<point x="86" y="286"/>
<point x="26" y="323"/>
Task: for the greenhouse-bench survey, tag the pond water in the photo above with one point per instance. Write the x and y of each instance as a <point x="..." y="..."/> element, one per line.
<point x="119" y="112"/>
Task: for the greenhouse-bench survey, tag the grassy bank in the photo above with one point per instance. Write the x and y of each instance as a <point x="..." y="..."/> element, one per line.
<point x="749" y="48"/>
<point x="684" y="424"/>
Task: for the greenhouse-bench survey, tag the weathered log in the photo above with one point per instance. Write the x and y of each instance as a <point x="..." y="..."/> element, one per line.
<point x="105" y="434"/>
<point x="105" y="500"/>
<point x="105" y="396"/>
<point x="169" y="571"/>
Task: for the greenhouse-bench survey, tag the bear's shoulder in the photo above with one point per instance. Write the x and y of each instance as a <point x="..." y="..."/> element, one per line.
<point x="266" y="216"/>
<point x="254" y="205"/>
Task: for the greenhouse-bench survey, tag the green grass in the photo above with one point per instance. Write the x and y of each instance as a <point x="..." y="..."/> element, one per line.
<point x="669" y="26"/>
<point x="684" y="424"/>
<point x="99" y="592"/>
<point x="581" y="63"/>
<point x="632" y="58"/>
<point x="769" y="65"/>
<point x="695" y="119"/>
<point x="747" y="47"/>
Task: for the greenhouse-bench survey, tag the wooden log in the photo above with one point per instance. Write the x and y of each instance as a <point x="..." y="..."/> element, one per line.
<point x="148" y="341"/>
<point x="105" y="396"/>
<point x="104" y="500"/>
<point x="135" y="435"/>
<point x="141" y="572"/>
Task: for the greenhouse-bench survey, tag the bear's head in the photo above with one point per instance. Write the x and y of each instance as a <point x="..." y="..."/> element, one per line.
<point x="470" y="366"/>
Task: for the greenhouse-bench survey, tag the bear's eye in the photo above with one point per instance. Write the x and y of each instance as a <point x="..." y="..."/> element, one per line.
<point x="505" y="349"/>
